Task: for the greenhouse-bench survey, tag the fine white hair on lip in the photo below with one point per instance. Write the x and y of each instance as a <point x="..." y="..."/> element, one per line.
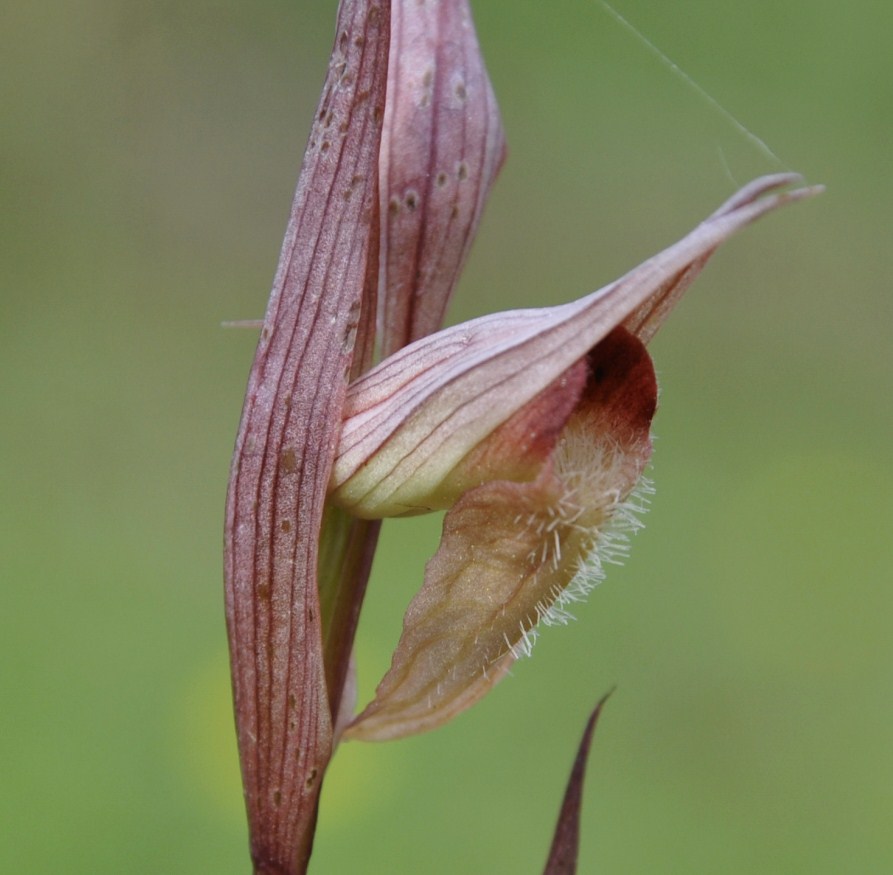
<point x="610" y="546"/>
<point x="594" y="511"/>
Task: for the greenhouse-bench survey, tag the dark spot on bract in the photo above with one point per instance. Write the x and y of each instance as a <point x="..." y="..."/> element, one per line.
<point x="288" y="461"/>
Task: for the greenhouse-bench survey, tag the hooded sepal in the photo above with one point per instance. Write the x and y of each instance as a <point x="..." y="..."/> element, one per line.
<point x="411" y="421"/>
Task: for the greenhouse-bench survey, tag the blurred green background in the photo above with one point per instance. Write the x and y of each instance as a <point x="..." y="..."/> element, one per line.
<point x="150" y="156"/>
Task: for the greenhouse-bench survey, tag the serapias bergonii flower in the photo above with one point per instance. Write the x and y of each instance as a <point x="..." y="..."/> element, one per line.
<point x="532" y="429"/>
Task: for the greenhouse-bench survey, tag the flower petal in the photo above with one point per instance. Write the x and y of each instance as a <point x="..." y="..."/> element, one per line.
<point x="518" y="449"/>
<point x="411" y="420"/>
<point x="510" y="550"/>
<point x="647" y="318"/>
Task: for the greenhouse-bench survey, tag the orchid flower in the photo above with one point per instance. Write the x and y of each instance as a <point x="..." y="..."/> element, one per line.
<point x="530" y="428"/>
